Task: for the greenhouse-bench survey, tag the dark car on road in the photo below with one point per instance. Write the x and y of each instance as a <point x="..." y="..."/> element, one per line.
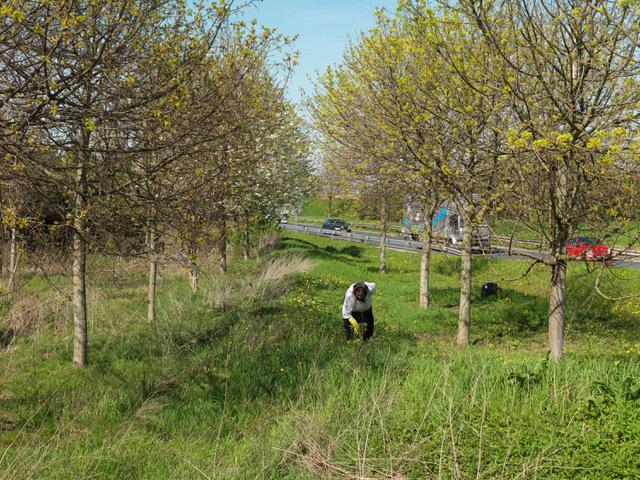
<point x="336" y="224"/>
<point x="589" y="248"/>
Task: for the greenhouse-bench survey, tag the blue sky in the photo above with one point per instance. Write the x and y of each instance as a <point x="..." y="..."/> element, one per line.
<point x="323" y="26"/>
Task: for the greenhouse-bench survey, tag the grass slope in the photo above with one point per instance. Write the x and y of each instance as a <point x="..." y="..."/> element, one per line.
<point x="267" y="388"/>
<point x="319" y="208"/>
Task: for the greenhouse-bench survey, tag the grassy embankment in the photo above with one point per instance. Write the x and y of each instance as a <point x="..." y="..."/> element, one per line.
<point x="315" y="210"/>
<point x="251" y="378"/>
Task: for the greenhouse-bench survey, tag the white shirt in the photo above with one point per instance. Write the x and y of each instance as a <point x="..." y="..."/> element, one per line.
<point x="350" y="303"/>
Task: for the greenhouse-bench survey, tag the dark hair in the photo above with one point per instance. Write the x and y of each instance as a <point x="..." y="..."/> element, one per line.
<point x="360" y="286"/>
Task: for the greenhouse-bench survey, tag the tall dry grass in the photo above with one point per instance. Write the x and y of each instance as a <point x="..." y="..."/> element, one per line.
<point x="29" y="313"/>
<point x="271" y="280"/>
<point x="267" y="241"/>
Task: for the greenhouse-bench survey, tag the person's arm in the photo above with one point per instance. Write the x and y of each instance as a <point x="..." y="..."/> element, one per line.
<point x="371" y="286"/>
<point x="348" y="304"/>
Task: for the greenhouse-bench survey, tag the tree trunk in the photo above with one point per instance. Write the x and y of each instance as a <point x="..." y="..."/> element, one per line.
<point x="193" y="279"/>
<point x="558" y="294"/>
<point x="557" y="302"/>
<point x="383" y="237"/>
<point x="330" y="204"/>
<point x="222" y="245"/>
<point x="13" y="258"/>
<point x="79" y="269"/>
<point x="151" y="290"/>
<point x="464" y="315"/>
<point x="559" y="198"/>
<point x="2" y="250"/>
<point x="427" y="240"/>
<point x="193" y="250"/>
<point x="246" y="246"/>
<point x="424" y="270"/>
<point x="153" y="274"/>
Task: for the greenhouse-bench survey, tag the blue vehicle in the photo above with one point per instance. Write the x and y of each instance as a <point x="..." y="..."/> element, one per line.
<point x="447" y="225"/>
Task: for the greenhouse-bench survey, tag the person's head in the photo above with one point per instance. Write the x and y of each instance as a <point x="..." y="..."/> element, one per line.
<point x="360" y="291"/>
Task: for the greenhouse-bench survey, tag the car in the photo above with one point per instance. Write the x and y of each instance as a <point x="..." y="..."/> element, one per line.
<point x="336" y="224"/>
<point x="590" y="248"/>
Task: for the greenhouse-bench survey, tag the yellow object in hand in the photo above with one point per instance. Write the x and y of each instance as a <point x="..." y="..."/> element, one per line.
<point x="355" y="325"/>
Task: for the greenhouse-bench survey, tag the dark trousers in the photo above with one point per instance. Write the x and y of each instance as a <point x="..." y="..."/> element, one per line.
<point x="365" y="318"/>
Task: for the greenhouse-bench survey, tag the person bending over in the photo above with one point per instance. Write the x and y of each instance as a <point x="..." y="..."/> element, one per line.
<point x="356" y="309"/>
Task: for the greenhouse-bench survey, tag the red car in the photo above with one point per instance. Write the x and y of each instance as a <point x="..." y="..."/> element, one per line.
<point x="588" y="247"/>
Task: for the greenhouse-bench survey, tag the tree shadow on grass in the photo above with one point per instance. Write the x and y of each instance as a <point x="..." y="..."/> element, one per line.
<point x="391" y="267"/>
<point x="588" y="312"/>
<point x="120" y="280"/>
<point x="512" y="313"/>
<point x="352" y="251"/>
<point x="521" y="315"/>
<point x="516" y="315"/>
<point x="444" y="297"/>
<point x="444" y="264"/>
<point x="351" y="254"/>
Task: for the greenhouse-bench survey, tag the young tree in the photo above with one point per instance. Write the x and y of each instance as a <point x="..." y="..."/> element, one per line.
<point x="452" y="94"/>
<point x="569" y="71"/>
<point x="346" y="111"/>
<point x="329" y="183"/>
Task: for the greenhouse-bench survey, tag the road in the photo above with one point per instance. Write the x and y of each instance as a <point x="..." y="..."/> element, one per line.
<point x="400" y="243"/>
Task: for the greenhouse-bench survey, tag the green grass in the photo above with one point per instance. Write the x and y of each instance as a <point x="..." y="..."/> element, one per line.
<point x="319" y="208"/>
<point x="269" y="389"/>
